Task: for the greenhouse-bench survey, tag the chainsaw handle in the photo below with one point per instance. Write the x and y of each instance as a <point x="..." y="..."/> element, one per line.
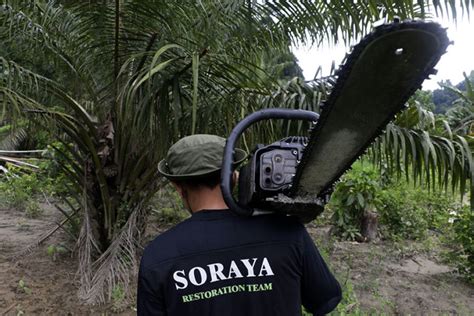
<point x="228" y="159"/>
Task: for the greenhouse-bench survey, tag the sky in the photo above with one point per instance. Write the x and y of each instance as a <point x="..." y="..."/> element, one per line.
<point x="458" y="58"/>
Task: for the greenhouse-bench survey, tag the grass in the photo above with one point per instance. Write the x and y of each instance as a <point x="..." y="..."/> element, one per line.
<point x="33" y="209"/>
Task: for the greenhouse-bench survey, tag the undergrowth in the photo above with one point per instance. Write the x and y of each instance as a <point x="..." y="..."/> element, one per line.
<point x="21" y="188"/>
<point x="405" y="211"/>
<point x="462" y="244"/>
<point x="167" y="207"/>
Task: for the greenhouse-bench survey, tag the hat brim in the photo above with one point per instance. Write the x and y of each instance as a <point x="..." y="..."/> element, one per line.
<point x="239" y="157"/>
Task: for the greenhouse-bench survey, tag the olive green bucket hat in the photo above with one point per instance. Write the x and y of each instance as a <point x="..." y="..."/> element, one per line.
<point x="196" y="156"/>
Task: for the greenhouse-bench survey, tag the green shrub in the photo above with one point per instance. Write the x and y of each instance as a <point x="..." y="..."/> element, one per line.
<point x="462" y="254"/>
<point x="401" y="216"/>
<point x="437" y="204"/>
<point x="19" y="187"/>
<point x="405" y="211"/>
<point x="52" y="170"/>
<point x="33" y="209"/>
<point x="408" y="212"/>
<point x="356" y="193"/>
<point x="167" y="206"/>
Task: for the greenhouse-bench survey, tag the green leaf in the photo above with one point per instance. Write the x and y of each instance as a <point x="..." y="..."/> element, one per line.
<point x="360" y="199"/>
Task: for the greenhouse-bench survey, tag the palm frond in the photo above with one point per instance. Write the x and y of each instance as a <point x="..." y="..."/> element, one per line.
<point x="11" y="140"/>
<point x="428" y="155"/>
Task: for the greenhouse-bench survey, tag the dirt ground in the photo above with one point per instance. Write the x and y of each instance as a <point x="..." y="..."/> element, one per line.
<point x="405" y="278"/>
<point x="386" y="280"/>
<point x="36" y="283"/>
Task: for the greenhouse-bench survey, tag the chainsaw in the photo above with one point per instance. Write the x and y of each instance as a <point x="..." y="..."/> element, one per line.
<point x="296" y="175"/>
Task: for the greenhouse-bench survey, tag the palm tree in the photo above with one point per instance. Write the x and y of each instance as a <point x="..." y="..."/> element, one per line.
<point x="116" y="82"/>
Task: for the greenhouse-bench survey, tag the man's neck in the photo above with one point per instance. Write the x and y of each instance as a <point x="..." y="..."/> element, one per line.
<point x="206" y="199"/>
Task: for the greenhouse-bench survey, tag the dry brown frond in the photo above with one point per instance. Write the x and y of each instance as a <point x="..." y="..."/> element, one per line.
<point x="116" y="268"/>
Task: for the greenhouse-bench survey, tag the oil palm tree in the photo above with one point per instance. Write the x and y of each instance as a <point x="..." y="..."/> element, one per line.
<point x="117" y="81"/>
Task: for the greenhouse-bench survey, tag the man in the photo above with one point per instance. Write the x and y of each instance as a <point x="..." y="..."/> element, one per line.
<point x="217" y="263"/>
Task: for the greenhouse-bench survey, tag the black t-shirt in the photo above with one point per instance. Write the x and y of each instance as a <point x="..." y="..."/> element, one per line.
<point x="217" y="263"/>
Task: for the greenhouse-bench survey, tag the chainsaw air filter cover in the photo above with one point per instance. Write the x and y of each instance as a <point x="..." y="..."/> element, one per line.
<point x="271" y="170"/>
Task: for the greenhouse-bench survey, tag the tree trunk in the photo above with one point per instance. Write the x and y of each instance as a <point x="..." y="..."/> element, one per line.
<point x="369" y="225"/>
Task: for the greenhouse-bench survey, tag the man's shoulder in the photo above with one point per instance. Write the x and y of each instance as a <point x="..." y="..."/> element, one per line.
<point x="163" y="246"/>
<point x="279" y="222"/>
<point x="260" y="229"/>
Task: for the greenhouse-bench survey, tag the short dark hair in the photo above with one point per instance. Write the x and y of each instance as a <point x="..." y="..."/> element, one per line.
<point x="210" y="181"/>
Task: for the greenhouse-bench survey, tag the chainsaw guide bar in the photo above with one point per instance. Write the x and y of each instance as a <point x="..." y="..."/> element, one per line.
<point x="373" y="85"/>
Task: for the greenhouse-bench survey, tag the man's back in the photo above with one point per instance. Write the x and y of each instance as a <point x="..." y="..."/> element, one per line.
<point x="216" y="263"/>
